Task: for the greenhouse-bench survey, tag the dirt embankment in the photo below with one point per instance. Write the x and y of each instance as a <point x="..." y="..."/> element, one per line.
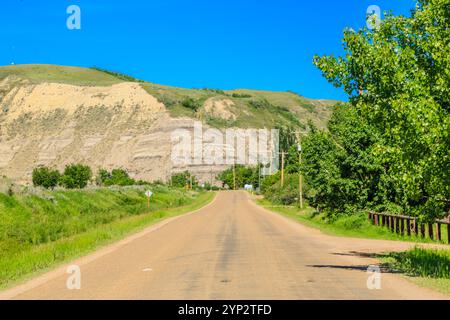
<point x="54" y="124"/>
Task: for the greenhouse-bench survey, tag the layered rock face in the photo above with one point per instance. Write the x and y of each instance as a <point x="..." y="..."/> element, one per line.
<point x="120" y="126"/>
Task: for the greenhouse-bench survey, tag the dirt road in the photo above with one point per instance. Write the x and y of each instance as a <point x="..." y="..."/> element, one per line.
<point x="231" y="249"/>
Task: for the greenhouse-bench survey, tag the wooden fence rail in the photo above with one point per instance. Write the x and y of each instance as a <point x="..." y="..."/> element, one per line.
<point x="401" y="224"/>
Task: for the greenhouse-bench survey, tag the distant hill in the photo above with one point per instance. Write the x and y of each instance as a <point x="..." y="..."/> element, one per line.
<point x="54" y="115"/>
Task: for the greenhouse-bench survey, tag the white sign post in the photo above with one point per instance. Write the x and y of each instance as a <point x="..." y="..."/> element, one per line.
<point x="148" y="193"/>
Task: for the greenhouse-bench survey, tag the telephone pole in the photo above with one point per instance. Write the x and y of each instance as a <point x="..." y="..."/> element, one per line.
<point x="234" y="176"/>
<point x="259" y="177"/>
<point x="300" y="176"/>
<point x="282" y="168"/>
<point x="210" y="180"/>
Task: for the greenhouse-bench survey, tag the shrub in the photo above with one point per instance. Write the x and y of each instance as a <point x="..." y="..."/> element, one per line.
<point x="192" y="104"/>
<point x="241" y="95"/>
<point x="117" y="177"/>
<point x="102" y="176"/>
<point x="45" y="177"/>
<point x="182" y="179"/>
<point x="76" y="176"/>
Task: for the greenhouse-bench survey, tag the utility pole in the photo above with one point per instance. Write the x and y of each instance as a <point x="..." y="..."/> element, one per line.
<point x="282" y="168"/>
<point x="210" y="179"/>
<point x="234" y="176"/>
<point x="259" y="177"/>
<point x="300" y="176"/>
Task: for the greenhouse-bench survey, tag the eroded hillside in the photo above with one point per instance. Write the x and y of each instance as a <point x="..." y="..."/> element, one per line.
<point x="53" y="116"/>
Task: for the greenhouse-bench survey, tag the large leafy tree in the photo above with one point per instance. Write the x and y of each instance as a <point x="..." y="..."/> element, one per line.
<point x="397" y="77"/>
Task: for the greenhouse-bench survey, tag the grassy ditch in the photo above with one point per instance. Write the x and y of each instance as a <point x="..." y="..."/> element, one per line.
<point x="39" y="230"/>
<point x="356" y="225"/>
<point x="426" y="267"/>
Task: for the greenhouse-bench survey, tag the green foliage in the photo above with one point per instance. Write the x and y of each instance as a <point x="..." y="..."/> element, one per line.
<point x="394" y="146"/>
<point x="117" y="177"/>
<point x="166" y="100"/>
<point x="191" y="104"/>
<point x="183" y="179"/>
<point x="260" y="104"/>
<point x="76" y="176"/>
<point x="37" y="233"/>
<point x="423" y="262"/>
<point x="244" y="175"/>
<point x="45" y="177"/>
<point x="241" y="95"/>
<point x="287" y="194"/>
<point x="217" y="91"/>
<point x="118" y="75"/>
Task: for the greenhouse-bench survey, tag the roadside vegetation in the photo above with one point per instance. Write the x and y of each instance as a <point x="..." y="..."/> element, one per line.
<point x="387" y="149"/>
<point x="428" y="267"/>
<point x="65" y="215"/>
<point x="352" y="225"/>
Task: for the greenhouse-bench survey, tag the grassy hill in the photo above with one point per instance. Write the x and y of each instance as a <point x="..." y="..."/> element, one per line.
<point x="245" y="108"/>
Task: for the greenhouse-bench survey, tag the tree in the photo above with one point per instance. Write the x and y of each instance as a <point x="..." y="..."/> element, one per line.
<point x="243" y="175"/>
<point x="45" y="177"/>
<point x="183" y="179"/>
<point x="397" y="80"/>
<point x="76" y="176"/>
<point x="103" y="175"/>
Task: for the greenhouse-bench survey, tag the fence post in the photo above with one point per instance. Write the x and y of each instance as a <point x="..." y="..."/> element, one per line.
<point x="422" y="230"/>
<point x="397" y="225"/>
<point x="402" y="226"/>
<point x="383" y="220"/>
<point x="408" y="227"/>
<point x="430" y="231"/>
<point x="376" y="219"/>
<point x="448" y="233"/>
<point x="438" y="232"/>
<point x="392" y="223"/>
<point x="416" y="228"/>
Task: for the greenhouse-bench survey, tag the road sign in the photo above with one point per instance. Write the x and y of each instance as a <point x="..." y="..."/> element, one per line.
<point x="148" y="193"/>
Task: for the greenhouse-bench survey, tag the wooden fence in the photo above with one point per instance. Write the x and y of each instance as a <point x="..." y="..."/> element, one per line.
<point x="409" y="225"/>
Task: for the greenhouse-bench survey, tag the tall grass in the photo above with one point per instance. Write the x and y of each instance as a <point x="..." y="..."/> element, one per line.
<point x="432" y="263"/>
<point x="39" y="230"/>
<point x="354" y="225"/>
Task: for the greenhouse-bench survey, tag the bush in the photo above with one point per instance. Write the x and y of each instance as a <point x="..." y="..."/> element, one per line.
<point x="117" y="177"/>
<point x="45" y="177"/>
<point x="191" y="104"/>
<point x="241" y="95"/>
<point x="182" y="179"/>
<point x="76" y="176"/>
<point x="286" y="195"/>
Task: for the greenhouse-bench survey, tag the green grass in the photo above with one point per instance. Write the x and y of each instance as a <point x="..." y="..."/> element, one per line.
<point x="286" y="108"/>
<point x="426" y="267"/>
<point x="38" y="73"/>
<point x="38" y="232"/>
<point x="356" y="226"/>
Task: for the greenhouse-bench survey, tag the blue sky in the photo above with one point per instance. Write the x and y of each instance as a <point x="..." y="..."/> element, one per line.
<point x="225" y="44"/>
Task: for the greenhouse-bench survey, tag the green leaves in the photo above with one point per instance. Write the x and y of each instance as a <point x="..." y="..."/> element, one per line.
<point x="397" y="134"/>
